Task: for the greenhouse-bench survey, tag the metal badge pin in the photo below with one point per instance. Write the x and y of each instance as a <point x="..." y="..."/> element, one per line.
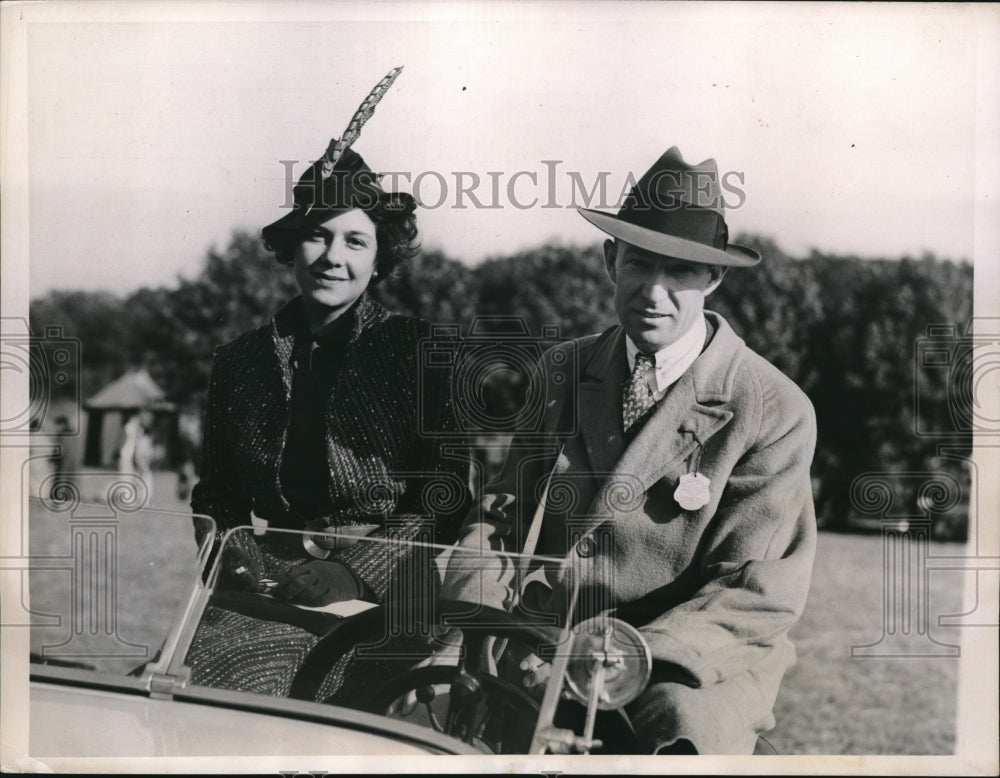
<point x="693" y="491"/>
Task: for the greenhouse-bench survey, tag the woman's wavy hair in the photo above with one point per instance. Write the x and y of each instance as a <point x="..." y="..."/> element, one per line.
<point x="395" y="219"/>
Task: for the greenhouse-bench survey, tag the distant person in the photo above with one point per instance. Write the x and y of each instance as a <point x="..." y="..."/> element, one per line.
<point x="185" y="479"/>
<point x="136" y="453"/>
<point x="688" y="457"/>
<point x="307" y="413"/>
<point x="41" y="464"/>
<point x="63" y="462"/>
<point x="189" y="452"/>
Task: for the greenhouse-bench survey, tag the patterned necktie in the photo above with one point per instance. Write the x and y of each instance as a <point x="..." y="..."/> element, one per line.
<point x="638" y="397"/>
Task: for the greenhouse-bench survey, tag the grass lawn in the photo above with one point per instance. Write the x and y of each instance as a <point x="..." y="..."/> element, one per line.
<point x="830" y="703"/>
<point x="149" y="554"/>
<point x="833" y="703"/>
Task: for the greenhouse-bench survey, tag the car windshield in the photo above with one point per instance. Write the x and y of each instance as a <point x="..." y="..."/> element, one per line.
<point x="455" y="640"/>
<point x="108" y="581"/>
<point x="391" y="625"/>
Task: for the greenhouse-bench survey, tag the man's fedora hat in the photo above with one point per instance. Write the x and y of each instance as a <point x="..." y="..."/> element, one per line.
<point x="676" y="209"/>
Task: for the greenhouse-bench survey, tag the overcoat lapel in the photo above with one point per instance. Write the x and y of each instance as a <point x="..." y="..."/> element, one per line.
<point x="288" y="322"/>
<point x="600" y="394"/>
<point x="695" y="408"/>
<point x="677" y="427"/>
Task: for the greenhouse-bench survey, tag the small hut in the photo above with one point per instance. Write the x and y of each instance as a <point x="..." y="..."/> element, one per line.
<point x="109" y="409"/>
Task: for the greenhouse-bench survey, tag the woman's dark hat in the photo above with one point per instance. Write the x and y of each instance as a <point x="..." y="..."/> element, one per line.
<point x="339" y="180"/>
<point x="676" y="209"/>
<point x="318" y="197"/>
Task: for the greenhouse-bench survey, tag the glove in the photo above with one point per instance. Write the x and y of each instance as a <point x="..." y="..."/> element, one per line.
<point x="319" y="582"/>
<point x="242" y="565"/>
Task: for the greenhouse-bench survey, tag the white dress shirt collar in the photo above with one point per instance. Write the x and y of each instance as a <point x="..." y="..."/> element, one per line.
<point x="671" y="361"/>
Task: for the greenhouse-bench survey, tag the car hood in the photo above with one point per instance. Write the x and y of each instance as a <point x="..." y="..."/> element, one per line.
<point x="71" y="720"/>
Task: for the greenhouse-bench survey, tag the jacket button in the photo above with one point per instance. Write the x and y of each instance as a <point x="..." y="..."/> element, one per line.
<point x="586" y="547"/>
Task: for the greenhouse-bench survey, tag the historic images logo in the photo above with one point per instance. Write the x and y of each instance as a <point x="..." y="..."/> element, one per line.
<point x="547" y="186"/>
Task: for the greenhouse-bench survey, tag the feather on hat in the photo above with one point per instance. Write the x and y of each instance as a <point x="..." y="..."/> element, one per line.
<point x="339" y="180"/>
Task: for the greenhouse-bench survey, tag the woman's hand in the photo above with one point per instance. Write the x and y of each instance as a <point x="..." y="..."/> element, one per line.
<point x="319" y="582"/>
<point x="242" y="564"/>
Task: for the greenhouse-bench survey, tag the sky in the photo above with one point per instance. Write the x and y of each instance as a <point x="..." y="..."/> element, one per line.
<point x="153" y="131"/>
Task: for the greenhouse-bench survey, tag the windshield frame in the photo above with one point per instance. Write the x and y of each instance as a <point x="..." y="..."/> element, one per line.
<point x="167" y="676"/>
<point x="174" y="669"/>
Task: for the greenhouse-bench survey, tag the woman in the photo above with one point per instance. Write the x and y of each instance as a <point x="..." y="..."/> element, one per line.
<point x="136" y="452"/>
<point x="315" y="421"/>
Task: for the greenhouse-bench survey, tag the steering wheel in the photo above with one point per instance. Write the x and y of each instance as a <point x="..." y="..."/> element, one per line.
<point x="466" y="701"/>
<point x="369" y="626"/>
<point x="482" y="709"/>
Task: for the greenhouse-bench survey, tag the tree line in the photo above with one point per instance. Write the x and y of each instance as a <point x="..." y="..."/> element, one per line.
<point x="847" y="330"/>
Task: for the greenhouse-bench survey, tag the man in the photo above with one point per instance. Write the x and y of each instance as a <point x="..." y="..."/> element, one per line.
<point x="686" y="457"/>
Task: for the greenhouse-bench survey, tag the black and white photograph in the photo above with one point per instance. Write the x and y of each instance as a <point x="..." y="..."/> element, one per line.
<point x="502" y="387"/>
